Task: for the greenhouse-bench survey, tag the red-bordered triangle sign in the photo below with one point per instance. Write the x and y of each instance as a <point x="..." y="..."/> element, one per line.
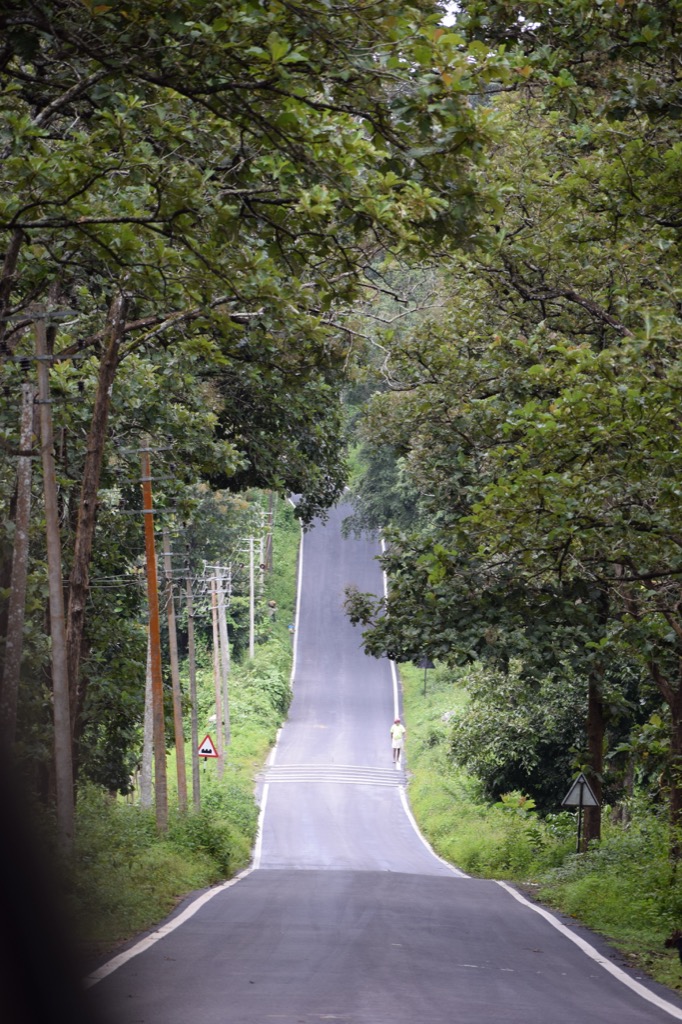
<point x="207" y="747"/>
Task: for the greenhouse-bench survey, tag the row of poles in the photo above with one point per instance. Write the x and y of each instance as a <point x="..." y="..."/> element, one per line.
<point x="219" y="578"/>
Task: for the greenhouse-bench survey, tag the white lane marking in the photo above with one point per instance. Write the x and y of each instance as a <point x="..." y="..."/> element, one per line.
<point x="408" y="811"/>
<point x="403" y="794"/>
<point x="334" y="768"/>
<point x="160" y="933"/>
<point x="394" y="675"/>
<point x="306" y="780"/>
<point x="590" y="951"/>
<point x="258" y="847"/>
<point x="297" y="612"/>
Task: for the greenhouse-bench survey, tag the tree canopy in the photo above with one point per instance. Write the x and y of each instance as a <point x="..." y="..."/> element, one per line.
<point x="538" y="414"/>
<point x="192" y="199"/>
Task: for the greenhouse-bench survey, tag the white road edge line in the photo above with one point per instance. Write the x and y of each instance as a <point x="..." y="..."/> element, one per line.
<point x="258" y="847"/>
<point x="403" y="793"/>
<point x="590" y="951"/>
<point x="408" y="812"/>
<point x="298" y="608"/>
<point x="111" y="965"/>
<point x="631" y="983"/>
<point x="396" y="699"/>
<point x="160" y="933"/>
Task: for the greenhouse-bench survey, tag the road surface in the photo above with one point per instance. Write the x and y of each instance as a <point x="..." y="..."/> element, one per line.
<point x="347" y="915"/>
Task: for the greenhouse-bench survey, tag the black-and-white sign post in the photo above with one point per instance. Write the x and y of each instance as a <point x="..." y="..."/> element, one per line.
<point x="580" y="795"/>
<point x="424" y="663"/>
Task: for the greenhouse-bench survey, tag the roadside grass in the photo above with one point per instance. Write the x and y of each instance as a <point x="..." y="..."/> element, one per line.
<point x="123" y="877"/>
<point x="625" y="888"/>
<point x="628" y="890"/>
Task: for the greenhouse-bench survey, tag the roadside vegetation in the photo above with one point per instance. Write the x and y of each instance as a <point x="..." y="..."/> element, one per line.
<point x="625" y="887"/>
<point x="237" y="238"/>
<point x="123" y="876"/>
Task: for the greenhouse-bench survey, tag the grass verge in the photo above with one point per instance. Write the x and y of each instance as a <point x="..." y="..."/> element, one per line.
<point x="123" y="877"/>
<point x="625" y="888"/>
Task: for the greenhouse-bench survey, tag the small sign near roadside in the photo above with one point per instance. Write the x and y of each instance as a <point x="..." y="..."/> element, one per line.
<point x="580" y="794"/>
<point x="207" y="748"/>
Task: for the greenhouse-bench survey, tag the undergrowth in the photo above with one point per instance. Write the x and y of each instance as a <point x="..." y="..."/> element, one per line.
<point x="123" y="877"/>
<point x="625" y="888"/>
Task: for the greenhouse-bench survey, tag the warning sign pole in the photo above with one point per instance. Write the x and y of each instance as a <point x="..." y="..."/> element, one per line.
<point x="580" y="795"/>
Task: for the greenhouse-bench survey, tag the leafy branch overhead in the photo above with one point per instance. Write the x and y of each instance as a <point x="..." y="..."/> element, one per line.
<point x="193" y="197"/>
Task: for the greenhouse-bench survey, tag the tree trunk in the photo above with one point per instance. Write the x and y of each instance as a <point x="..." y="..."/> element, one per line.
<point x="252" y="602"/>
<point x="158" y="718"/>
<point x="217" y="677"/>
<point x="596" y="727"/>
<point x="79" y="580"/>
<point x="676" y="776"/>
<point x="673" y="697"/>
<point x="60" y="679"/>
<point x="8" y="278"/>
<point x="17" y="594"/>
<point x="224" y="656"/>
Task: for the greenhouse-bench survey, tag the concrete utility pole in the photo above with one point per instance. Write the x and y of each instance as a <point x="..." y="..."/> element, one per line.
<point x="60" y="677"/>
<point x="192" y="667"/>
<point x="175" y="676"/>
<point x="160" y="780"/>
<point x="217" y="679"/>
<point x="268" y="539"/>
<point x="224" y="652"/>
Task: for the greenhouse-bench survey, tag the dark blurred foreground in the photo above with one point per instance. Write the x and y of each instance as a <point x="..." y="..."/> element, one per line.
<point x="40" y="968"/>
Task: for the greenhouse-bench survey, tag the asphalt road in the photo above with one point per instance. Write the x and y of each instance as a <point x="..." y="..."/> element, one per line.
<point x="346" y="914"/>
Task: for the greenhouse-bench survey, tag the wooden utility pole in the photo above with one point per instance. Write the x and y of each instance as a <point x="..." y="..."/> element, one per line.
<point x="60" y="678"/>
<point x="175" y="676"/>
<point x="160" y="781"/>
<point x="224" y="654"/>
<point x="217" y="678"/>
<point x="148" y="740"/>
<point x="191" y="658"/>
<point x="16" y="612"/>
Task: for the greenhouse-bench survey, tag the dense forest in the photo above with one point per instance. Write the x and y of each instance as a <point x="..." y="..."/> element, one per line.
<point x="243" y="240"/>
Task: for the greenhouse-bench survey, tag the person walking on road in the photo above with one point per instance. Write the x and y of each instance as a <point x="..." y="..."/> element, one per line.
<point x="398" y="732"/>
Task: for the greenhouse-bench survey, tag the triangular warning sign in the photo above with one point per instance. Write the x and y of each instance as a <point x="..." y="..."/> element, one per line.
<point x="207" y="748"/>
<point x="580" y="794"/>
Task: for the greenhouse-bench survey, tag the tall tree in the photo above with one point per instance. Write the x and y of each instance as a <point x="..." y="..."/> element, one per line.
<point x="539" y="416"/>
<point x="192" y="188"/>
